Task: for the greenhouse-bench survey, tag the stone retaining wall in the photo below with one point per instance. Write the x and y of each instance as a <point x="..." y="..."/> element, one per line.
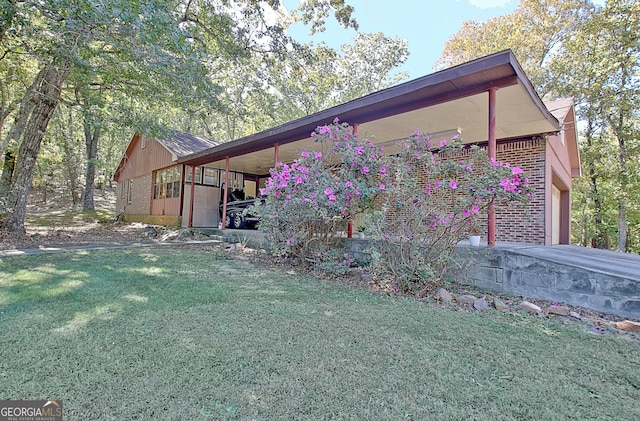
<point x="514" y="273"/>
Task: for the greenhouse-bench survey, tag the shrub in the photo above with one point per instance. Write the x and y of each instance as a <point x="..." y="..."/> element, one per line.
<point x="309" y="202"/>
<point x="434" y="197"/>
<point x="419" y="204"/>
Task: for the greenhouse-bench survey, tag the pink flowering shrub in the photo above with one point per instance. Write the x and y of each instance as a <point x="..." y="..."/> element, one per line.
<point x="433" y="200"/>
<point x="418" y="204"/>
<point x="311" y="200"/>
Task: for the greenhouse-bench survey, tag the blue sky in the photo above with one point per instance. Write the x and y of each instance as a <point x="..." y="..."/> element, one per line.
<point x="425" y="24"/>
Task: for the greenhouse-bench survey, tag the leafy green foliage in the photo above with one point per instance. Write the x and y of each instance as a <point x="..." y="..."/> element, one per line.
<point x="419" y="204"/>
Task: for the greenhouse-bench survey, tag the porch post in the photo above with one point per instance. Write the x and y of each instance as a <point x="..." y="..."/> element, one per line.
<point x="350" y="223"/>
<point x="225" y="193"/>
<point x="191" y="198"/>
<point x="275" y="155"/>
<point x="491" y="212"/>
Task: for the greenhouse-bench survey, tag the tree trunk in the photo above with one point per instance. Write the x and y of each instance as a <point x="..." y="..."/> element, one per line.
<point x="26" y="106"/>
<point x="7" y="172"/>
<point x="46" y="99"/>
<point x="601" y="240"/>
<point x="91" y="141"/>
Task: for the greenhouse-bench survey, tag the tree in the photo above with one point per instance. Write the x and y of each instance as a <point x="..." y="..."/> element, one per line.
<point x="600" y="66"/>
<point x="534" y="31"/>
<point x="160" y="48"/>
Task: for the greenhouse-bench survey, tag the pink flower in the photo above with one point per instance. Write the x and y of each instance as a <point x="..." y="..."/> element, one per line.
<point x="364" y="170"/>
<point x="304" y="154"/>
<point x="382" y="186"/>
<point x="453" y="185"/>
<point x="348" y="184"/>
<point x="328" y="191"/>
<point x="299" y="180"/>
<point x="475" y="209"/>
<point x="383" y="171"/>
<point x="332" y="197"/>
<point x="516" y="170"/>
<point x="317" y="155"/>
<point x="336" y="120"/>
<point x="443" y="143"/>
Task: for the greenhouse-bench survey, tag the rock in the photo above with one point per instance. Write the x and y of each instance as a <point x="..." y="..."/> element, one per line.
<point x="185" y="234"/>
<point x="149" y="232"/>
<point x="481" y="304"/>
<point x="575" y="315"/>
<point x="466" y="299"/>
<point x="558" y="310"/>
<point x="629" y="326"/>
<point x="443" y="295"/>
<point x="530" y="308"/>
<point x="499" y="304"/>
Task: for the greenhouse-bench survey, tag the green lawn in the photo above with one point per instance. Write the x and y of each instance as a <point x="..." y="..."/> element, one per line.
<point x="186" y="334"/>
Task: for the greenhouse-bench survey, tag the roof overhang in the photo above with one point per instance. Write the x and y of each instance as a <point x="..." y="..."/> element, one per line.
<point x="454" y="98"/>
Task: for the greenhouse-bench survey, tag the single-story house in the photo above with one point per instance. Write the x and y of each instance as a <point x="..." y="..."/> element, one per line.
<point x="489" y="101"/>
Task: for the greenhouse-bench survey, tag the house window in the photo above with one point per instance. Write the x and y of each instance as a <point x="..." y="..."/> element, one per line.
<point x="123" y="189"/>
<point x="129" y="190"/>
<point x="166" y="183"/>
<point x="143" y="142"/>
<point x="198" y="174"/>
<point x="210" y="177"/>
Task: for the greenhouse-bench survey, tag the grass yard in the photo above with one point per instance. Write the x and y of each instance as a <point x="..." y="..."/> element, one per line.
<point x="187" y="334"/>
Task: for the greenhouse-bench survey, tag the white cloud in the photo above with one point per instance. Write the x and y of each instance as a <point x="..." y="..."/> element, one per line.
<point x="489" y="4"/>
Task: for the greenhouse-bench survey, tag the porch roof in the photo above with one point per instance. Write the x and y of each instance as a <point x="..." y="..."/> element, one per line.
<point x="451" y="99"/>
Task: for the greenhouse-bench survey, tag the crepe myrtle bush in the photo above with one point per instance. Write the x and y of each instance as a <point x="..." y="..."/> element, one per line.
<point x="435" y="194"/>
<point x="427" y="198"/>
<point x="310" y="201"/>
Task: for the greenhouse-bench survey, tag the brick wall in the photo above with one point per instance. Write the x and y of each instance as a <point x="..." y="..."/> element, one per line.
<point x="513" y="224"/>
<point x="140" y="196"/>
<point x="524" y="225"/>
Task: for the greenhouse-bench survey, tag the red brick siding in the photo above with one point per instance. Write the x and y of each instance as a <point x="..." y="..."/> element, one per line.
<point x="524" y="225"/>
<point x="514" y="224"/>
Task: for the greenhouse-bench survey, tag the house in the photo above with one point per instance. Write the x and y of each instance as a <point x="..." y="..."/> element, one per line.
<point x="489" y="101"/>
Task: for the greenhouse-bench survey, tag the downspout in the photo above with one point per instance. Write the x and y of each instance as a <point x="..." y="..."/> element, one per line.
<point x="225" y="194"/>
<point x="491" y="212"/>
<point x="191" y="198"/>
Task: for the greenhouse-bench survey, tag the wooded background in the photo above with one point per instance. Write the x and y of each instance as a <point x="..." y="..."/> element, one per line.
<point x="79" y="77"/>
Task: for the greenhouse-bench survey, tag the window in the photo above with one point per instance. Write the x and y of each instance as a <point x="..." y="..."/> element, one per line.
<point x="210" y="177"/>
<point x="166" y="183"/>
<point x="129" y="190"/>
<point x="198" y="173"/>
<point x="143" y="141"/>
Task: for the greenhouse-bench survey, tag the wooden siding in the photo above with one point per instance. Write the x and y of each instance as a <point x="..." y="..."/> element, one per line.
<point x="140" y="161"/>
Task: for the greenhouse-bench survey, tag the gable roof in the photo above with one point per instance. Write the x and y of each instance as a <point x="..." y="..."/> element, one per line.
<point x="177" y="143"/>
<point x="454" y="98"/>
<point x="183" y="144"/>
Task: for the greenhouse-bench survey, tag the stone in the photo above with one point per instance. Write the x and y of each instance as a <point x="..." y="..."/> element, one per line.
<point x="575" y="315"/>
<point x="558" y="310"/>
<point x="184" y="234"/>
<point x="149" y="232"/>
<point x="629" y="326"/>
<point x="466" y="299"/>
<point x="481" y="304"/>
<point x="530" y="308"/>
<point x="499" y="304"/>
<point x="443" y="295"/>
